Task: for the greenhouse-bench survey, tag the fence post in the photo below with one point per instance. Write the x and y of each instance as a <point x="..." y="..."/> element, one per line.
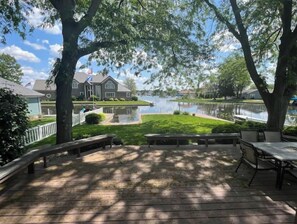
<point x="39" y="132"/>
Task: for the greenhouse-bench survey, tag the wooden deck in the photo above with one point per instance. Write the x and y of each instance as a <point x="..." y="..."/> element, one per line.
<point x="163" y="184"/>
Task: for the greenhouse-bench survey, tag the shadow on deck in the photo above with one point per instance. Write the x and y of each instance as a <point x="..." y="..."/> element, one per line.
<point x="163" y="184"/>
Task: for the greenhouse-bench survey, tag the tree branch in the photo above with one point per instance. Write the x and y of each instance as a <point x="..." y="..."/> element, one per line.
<point x="223" y="20"/>
<point x="98" y="45"/>
<point x="245" y="44"/>
<point x="87" y="18"/>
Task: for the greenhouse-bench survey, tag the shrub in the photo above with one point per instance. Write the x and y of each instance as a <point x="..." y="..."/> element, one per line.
<point x="93" y="118"/>
<point x="227" y="128"/>
<point x="13" y="123"/>
<point x="176" y="112"/>
<point x="116" y="99"/>
<point x="291" y="130"/>
<point x="134" y="98"/>
<point x="80" y="97"/>
<point x="122" y="99"/>
<point x="73" y="98"/>
<point x="251" y="125"/>
<point x="186" y="113"/>
<point x="111" y="99"/>
<point x="93" y="97"/>
<point x="102" y="117"/>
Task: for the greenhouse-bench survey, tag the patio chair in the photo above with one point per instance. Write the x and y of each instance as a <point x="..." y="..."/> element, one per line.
<point x="273" y="136"/>
<point x="251" y="156"/>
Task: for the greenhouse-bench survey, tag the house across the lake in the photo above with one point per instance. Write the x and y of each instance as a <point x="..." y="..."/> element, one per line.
<point x="32" y="97"/>
<point x="251" y="94"/>
<point x="85" y="85"/>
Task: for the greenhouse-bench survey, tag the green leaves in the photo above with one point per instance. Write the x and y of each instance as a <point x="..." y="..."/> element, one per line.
<point x="13" y="124"/>
<point x="10" y="69"/>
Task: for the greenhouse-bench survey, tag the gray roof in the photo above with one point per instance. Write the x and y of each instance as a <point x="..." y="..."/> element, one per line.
<point x="81" y="78"/>
<point x="40" y="85"/>
<point x="122" y="88"/>
<point x="19" y="89"/>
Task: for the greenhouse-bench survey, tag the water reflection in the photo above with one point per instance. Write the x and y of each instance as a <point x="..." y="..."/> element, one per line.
<point x="131" y="114"/>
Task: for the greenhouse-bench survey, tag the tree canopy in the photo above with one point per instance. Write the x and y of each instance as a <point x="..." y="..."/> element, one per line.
<point x="142" y="34"/>
<point x="131" y="85"/>
<point x="266" y="32"/>
<point x="10" y="69"/>
<point x="233" y="76"/>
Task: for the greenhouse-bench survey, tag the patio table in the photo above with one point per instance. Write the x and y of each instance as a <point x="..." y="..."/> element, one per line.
<point x="282" y="152"/>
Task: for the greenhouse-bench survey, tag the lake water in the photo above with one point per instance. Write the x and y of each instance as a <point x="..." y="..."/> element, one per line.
<point x="165" y="105"/>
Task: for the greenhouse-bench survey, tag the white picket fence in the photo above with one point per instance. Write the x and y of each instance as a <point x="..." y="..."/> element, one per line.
<point x="43" y="131"/>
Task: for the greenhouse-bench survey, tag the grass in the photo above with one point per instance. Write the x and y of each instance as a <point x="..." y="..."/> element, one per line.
<point x="41" y="121"/>
<point x="134" y="134"/>
<point x="106" y="103"/>
<point x="220" y="100"/>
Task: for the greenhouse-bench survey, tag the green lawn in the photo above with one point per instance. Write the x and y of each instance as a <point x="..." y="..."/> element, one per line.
<point x="134" y="134"/>
<point x="42" y="121"/>
<point x="105" y="103"/>
<point x="219" y="100"/>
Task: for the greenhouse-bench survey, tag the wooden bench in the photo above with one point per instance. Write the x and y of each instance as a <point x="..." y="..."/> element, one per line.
<point x="178" y="137"/>
<point x="28" y="159"/>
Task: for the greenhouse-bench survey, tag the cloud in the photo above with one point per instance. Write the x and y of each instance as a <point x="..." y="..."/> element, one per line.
<point x="45" y="41"/>
<point x="56" y="50"/>
<point x="36" y="20"/>
<point x="30" y="75"/>
<point x="19" y="54"/>
<point x="34" y="45"/>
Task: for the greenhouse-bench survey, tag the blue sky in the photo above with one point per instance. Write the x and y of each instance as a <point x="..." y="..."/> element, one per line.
<point x="39" y="50"/>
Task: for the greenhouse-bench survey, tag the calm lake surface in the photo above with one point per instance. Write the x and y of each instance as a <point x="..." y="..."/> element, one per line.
<point x="165" y="105"/>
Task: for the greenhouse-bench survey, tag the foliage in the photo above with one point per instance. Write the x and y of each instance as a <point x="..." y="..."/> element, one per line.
<point x="10" y="69"/>
<point x="292" y="130"/>
<point x="131" y="85"/>
<point x="185" y="113"/>
<point x="233" y="76"/>
<point x="266" y="32"/>
<point x="227" y="128"/>
<point x="92" y="118"/>
<point x="163" y="123"/>
<point x="13" y="124"/>
<point x="102" y="116"/>
<point x="93" y="98"/>
<point x="134" y="98"/>
<point x="176" y="112"/>
<point x="13" y="17"/>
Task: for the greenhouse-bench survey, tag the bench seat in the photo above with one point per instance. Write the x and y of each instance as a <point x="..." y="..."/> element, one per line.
<point x="155" y="137"/>
<point x="28" y="159"/>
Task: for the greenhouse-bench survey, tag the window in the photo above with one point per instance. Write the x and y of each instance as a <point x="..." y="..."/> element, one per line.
<point x="109" y="85"/>
<point x="128" y="94"/>
<point x="109" y="94"/>
<point x="74" y="84"/>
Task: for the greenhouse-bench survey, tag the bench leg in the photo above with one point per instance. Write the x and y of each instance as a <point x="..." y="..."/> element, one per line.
<point x="78" y="152"/>
<point x="206" y="142"/>
<point x="177" y="142"/>
<point x="234" y="142"/>
<point x="31" y="168"/>
<point x="44" y="162"/>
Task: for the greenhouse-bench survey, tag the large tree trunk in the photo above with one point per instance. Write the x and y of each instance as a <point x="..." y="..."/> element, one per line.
<point x="277" y="107"/>
<point x="63" y="82"/>
<point x="64" y="104"/>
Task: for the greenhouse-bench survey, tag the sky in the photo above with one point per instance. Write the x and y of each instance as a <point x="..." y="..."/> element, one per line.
<point x="37" y="53"/>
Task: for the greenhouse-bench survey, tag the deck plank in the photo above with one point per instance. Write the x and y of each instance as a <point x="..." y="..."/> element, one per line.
<point x="191" y="184"/>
